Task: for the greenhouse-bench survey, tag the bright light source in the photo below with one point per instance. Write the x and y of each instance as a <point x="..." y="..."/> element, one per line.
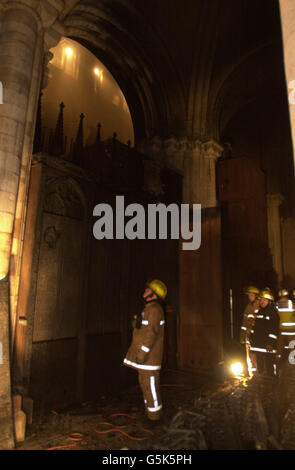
<point x="98" y="73"/>
<point x="237" y="368"/>
<point x="69" y="51"/>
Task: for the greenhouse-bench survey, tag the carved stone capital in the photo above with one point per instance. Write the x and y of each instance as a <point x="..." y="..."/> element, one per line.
<point x="171" y="146"/>
<point x="183" y="145"/>
<point x="195" y="147"/>
<point x="212" y="149"/>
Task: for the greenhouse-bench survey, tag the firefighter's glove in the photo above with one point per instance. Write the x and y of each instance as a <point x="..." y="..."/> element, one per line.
<point x="140" y="358"/>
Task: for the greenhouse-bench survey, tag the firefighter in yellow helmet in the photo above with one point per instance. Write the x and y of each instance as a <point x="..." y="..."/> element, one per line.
<point x="146" y="350"/>
<point x="264" y="335"/>
<point x="248" y="322"/>
<point x="249" y="313"/>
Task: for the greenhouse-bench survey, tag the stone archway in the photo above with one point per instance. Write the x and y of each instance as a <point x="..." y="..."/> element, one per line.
<point x="116" y="38"/>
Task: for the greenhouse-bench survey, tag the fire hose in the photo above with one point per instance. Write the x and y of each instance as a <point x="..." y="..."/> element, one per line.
<point x="79" y="437"/>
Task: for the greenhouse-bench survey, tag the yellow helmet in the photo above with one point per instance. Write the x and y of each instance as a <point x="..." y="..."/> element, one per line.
<point x="251" y="290"/>
<point x="158" y="287"/>
<point x="266" y="294"/>
<point x="283" y="293"/>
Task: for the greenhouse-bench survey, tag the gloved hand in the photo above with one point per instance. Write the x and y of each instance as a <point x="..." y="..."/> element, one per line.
<point x="269" y="348"/>
<point x="140" y="357"/>
<point x="139" y="360"/>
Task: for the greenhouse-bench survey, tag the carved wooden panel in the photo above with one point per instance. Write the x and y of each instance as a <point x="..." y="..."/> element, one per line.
<point x="63" y="198"/>
<point x="58" y="284"/>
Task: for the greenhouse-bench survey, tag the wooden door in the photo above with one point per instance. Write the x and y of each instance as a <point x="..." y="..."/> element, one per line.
<point x="200" y="294"/>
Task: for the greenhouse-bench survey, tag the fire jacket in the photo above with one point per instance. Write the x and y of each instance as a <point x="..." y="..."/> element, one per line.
<point x="146" y="349"/>
<point x="286" y="310"/>
<point x="266" y="329"/>
<point x="248" y="321"/>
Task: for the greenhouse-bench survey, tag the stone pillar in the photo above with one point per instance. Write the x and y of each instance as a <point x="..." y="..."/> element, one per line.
<point x="274" y="232"/>
<point x="27" y="28"/>
<point x="6" y="421"/>
<point x="49" y="39"/>
<point x="18" y="41"/>
<point x="196" y="160"/>
<point x="25" y="166"/>
<point x="199" y="185"/>
<point x="211" y="152"/>
<point x="17" y="52"/>
<point x="287" y="8"/>
<point x="191" y="175"/>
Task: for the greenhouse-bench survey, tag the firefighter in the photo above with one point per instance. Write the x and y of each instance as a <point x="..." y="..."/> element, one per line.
<point x="264" y="334"/>
<point x="247" y="324"/>
<point x="286" y="309"/>
<point x="146" y="350"/>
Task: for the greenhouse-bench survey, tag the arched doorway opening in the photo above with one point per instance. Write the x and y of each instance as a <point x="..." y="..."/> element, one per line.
<point x="79" y="80"/>
<point x="87" y="332"/>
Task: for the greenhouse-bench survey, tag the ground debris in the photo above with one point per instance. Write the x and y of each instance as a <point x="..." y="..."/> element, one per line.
<point x="253" y="414"/>
<point x="198" y="413"/>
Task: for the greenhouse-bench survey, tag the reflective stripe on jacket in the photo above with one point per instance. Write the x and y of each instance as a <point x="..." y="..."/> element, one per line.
<point x="146" y="349"/>
<point x="266" y="329"/>
<point x="248" y="320"/>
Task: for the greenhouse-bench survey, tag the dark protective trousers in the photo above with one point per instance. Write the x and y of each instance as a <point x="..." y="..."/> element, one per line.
<point x="266" y="363"/>
<point x="149" y="382"/>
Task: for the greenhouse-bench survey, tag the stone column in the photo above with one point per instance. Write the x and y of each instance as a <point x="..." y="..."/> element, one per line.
<point x="191" y="176"/>
<point x="17" y="52"/>
<point x="211" y="152"/>
<point x="27" y="28"/>
<point x="199" y="185"/>
<point x="18" y="41"/>
<point x="49" y="33"/>
<point x="274" y="232"/>
<point x="287" y="8"/>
